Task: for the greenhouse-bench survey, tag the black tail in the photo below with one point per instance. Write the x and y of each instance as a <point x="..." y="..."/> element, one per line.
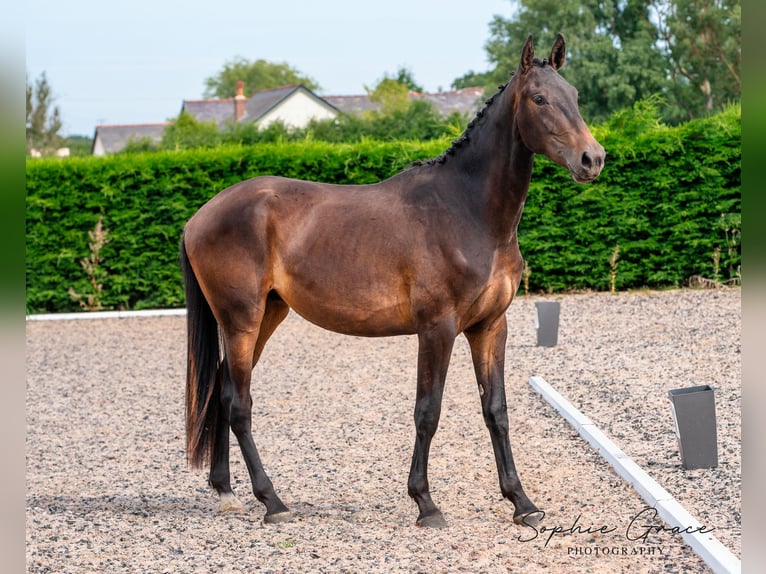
<point x="202" y="369"/>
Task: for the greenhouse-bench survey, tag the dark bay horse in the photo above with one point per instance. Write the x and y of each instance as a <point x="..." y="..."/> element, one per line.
<point x="432" y="251"/>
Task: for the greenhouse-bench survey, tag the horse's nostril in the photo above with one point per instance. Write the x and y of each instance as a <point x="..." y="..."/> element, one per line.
<point x="586" y="161"/>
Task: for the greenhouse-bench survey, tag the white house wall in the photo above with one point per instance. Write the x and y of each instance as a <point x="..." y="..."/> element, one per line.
<point x="98" y="147"/>
<point x="297" y="111"/>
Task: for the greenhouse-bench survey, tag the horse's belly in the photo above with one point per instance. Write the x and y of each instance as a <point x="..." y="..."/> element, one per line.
<point x="360" y="318"/>
<point x="369" y="309"/>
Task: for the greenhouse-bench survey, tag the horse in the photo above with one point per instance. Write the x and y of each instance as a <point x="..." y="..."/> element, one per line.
<point x="432" y="251"/>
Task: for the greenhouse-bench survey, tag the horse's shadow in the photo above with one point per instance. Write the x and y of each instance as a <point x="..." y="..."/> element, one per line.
<point x="148" y="506"/>
<point x="142" y="505"/>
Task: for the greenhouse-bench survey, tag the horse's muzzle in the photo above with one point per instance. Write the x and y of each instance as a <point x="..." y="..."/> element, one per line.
<point x="589" y="166"/>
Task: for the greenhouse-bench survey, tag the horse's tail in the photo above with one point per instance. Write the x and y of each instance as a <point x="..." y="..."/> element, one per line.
<point x="203" y="368"/>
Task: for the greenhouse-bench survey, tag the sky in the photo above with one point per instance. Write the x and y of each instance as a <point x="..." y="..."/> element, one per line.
<point x="117" y="62"/>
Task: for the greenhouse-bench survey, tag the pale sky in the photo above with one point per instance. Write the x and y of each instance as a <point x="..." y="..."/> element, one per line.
<point x="116" y="62"/>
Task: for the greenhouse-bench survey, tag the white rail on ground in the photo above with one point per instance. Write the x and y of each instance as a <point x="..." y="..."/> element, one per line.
<point x="719" y="558"/>
<point x="105" y="315"/>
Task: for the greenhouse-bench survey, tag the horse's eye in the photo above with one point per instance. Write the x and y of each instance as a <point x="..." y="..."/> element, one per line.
<point x="539" y="100"/>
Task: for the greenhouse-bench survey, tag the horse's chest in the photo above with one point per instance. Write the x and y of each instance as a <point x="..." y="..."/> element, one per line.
<point x="494" y="290"/>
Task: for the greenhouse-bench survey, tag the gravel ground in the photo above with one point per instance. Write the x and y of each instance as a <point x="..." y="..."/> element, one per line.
<point x="108" y="489"/>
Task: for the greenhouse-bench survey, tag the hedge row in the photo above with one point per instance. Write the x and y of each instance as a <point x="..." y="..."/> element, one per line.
<point x="668" y="197"/>
<point x="145" y="199"/>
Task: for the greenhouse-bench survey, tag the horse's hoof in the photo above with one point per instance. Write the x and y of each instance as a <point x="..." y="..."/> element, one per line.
<point x="229" y="503"/>
<point x="528" y="518"/>
<point x="278" y="517"/>
<point x="435" y="520"/>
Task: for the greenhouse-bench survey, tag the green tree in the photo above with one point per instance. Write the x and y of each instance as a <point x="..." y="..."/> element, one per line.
<point x="398" y="116"/>
<point x="472" y="79"/>
<point x="43" y="119"/>
<point x="390" y="96"/>
<point x="404" y="76"/>
<point x="612" y="53"/>
<point x="79" y="145"/>
<point x="187" y="132"/>
<point x="256" y="76"/>
<point x="392" y="92"/>
<point x="702" y="42"/>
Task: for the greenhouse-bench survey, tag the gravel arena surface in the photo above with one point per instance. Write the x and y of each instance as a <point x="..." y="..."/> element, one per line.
<point x="108" y="488"/>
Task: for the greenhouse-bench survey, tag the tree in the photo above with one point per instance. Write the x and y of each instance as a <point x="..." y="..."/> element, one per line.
<point x="702" y="42"/>
<point x="390" y="95"/>
<point x="256" y="76"/>
<point x="186" y="132"/>
<point x="472" y="79"/>
<point x="623" y="51"/>
<point x="399" y="116"/>
<point x="43" y="123"/>
<point x="79" y="145"/>
<point x="404" y="76"/>
<point x="612" y="54"/>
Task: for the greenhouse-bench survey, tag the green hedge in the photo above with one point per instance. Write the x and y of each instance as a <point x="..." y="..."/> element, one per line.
<point x="145" y="199"/>
<point x="668" y="197"/>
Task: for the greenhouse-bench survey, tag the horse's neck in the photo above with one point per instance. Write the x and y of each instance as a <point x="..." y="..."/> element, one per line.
<point x="501" y="167"/>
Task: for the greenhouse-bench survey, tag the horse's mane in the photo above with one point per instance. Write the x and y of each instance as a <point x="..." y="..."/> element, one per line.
<point x="466" y="135"/>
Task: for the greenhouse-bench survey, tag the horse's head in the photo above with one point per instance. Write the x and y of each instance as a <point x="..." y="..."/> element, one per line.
<point x="548" y="119"/>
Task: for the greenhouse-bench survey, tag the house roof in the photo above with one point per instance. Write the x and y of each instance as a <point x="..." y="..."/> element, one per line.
<point x="257" y="106"/>
<point x="114" y="138"/>
<point x="219" y="110"/>
<point x="464" y="101"/>
<point x="352" y="104"/>
<point x="261" y="102"/>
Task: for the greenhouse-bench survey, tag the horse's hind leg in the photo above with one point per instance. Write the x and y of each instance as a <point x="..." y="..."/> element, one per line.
<point x="220" y="478"/>
<point x="242" y="349"/>
<point x="276" y="312"/>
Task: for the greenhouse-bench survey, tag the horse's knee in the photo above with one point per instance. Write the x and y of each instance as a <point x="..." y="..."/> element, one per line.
<point x="426" y="420"/>
<point x="496" y="418"/>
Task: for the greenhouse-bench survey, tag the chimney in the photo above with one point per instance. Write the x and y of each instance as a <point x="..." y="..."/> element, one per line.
<point x="240" y="102"/>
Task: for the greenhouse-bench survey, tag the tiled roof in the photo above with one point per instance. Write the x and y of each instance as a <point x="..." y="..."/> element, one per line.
<point x="113" y="138"/>
<point x="207" y="110"/>
<point x="263" y="101"/>
<point x="464" y="101"/>
<point x="258" y="105"/>
<point x="351" y="104"/>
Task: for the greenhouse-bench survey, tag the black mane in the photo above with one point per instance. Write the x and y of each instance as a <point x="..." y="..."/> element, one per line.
<point x="466" y="135"/>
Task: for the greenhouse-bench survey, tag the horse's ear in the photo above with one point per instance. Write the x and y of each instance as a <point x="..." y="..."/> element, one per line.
<point x="558" y="53"/>
<point x="527" y="55"/>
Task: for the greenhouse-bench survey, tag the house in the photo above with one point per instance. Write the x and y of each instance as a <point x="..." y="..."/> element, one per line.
<point x="294" y="106"/>
<point x="113" y="138"/>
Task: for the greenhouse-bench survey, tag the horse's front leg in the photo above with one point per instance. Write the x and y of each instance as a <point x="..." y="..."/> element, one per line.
<point x="487" y="342"/>
<point x="434" y="351"/>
